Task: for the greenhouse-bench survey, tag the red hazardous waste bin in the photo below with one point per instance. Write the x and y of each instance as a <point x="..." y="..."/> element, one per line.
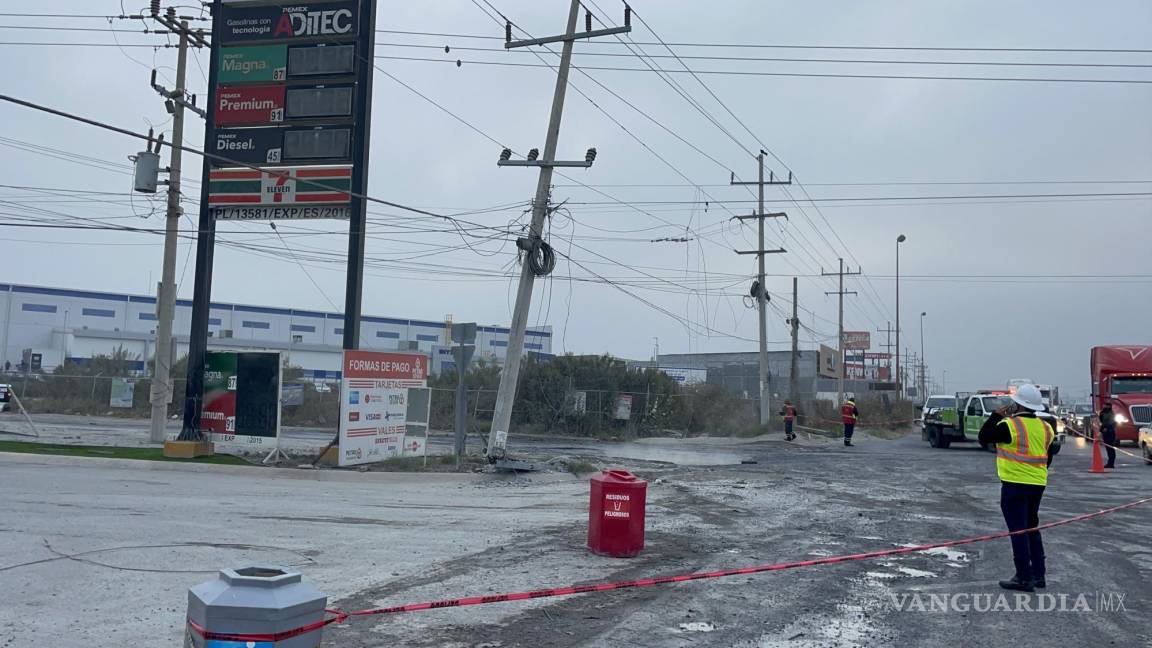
<point x="616" y="513"/>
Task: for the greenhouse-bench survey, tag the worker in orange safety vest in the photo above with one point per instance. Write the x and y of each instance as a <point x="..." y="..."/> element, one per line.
<point x="789" y="414"/>
<point x="849" y="414"/>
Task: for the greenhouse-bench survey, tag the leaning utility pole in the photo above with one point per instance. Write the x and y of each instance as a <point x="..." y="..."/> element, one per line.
<point x="759" y="291"/>
<point x="840" y="335"/>
<point x="176" y="100"/>
<point x="794" y="370"/>
<point x="534" y="246"/>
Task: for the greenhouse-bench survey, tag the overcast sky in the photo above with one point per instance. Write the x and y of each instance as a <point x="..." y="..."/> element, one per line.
<point x="1012" y="287"/>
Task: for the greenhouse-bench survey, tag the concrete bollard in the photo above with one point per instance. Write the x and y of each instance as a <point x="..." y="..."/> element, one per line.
<point x="255" y="600"/>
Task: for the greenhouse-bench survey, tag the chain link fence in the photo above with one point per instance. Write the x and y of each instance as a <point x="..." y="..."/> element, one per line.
<point x="695" y="410"/>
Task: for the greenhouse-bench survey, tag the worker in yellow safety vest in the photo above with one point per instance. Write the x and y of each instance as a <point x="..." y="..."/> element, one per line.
<point x="1024" y="450"/>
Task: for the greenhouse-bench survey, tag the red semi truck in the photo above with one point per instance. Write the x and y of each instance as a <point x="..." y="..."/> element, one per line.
<point x="1124" y="375"/>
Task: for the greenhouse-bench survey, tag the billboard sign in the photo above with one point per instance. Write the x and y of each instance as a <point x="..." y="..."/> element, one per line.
<point x="374" y="403"/>
<point x="857" y="340"/>
<point x="278" y="22"/>
<point x="829" y="362"/>
<point x="254" y="64"/>
<point x="249" y="105"/>
<point x="241" y="397"/>
<point x="686" y="376"/>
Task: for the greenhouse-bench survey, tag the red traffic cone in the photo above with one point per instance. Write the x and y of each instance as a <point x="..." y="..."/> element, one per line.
<point x="1097" y="461"/>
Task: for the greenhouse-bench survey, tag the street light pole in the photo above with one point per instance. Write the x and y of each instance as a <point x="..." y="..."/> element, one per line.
<point x="899" y="377"/>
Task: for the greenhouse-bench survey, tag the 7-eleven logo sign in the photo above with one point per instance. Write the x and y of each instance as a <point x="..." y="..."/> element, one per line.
<point x="283" y="186"/>
<point x="279" y="187"/>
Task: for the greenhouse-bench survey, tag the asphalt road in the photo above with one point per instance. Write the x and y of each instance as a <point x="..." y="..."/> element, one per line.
<point x="377" y="539"/>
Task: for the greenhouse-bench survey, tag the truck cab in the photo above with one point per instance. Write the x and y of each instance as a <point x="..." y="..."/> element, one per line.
<point x="1122" y="376"/>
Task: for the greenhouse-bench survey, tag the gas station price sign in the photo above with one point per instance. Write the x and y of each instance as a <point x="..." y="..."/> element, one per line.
<point x="253" y="104"/>
<point x="256" y="63"/>
<point x="275" y="145"/>
<point x="321" y="60"/>
<point x="317" y="102"/>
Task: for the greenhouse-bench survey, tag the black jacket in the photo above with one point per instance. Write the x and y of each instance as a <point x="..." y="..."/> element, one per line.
<point x="992" y="433"/>
<point x="1107" y="420"/>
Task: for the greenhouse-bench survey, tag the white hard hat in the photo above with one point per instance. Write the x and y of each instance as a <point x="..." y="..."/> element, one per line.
<point x="1029" y="396"/>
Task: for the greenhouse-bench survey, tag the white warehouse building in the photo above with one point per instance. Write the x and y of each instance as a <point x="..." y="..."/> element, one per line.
<point x="60" y="324"/>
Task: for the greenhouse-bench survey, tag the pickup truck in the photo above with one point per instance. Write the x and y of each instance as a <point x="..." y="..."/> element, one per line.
<point x="961" y="420"/>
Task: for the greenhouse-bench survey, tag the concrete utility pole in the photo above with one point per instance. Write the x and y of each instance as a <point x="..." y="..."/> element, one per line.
<point x="166" y="299"/>
<point x="794" y="369"/>
<point x="899" y="376"/>
<point x="888" y="346"/>
<point x="923" y="368"/>
<point x="759" y="291"/>
<point x="534" y="245"/>
<point x="840" y="335"/>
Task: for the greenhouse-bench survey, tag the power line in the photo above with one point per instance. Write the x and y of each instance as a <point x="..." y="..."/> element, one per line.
<point x="888" y="183"/>
<point x="833" y="47"/>
<point x="876" y="198"/>
<point x="789" y="59"/>
<point x="220" y="158"/>
<point x="759" y="73"/>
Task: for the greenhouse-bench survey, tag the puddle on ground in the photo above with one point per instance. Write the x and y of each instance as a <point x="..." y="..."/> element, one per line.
<point x="679" y="456"/>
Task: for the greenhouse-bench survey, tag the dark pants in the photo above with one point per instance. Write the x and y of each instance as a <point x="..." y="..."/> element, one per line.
<point x="787" y="427"/>
<point x="1021" y="506"/>
<point x="849" y="428"/>
<point x="1109" y="438"/>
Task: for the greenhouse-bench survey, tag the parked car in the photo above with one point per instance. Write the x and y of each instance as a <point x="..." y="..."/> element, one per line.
<point x="1146" y="444"/>
<point x="5" y="398"/>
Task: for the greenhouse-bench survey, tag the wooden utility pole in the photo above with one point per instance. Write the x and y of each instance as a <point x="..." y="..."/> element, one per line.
<point x="840" y="335"/>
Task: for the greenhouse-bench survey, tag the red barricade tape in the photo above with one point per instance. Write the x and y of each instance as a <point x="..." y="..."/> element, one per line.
<point x="341" y="615"/>
<point x="1122" y="451"/>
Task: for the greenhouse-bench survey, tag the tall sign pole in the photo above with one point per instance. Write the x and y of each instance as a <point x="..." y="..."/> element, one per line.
<point x="534" y="245"/>
<point x="287" y="131"/>
<point x="205" y="247"/>
<point x="358" y="223"/>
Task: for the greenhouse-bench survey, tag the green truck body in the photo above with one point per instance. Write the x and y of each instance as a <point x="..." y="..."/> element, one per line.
<point x="962" y="420"/>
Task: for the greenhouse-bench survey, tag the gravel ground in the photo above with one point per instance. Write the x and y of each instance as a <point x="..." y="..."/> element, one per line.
<point x="379" y="539"/>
